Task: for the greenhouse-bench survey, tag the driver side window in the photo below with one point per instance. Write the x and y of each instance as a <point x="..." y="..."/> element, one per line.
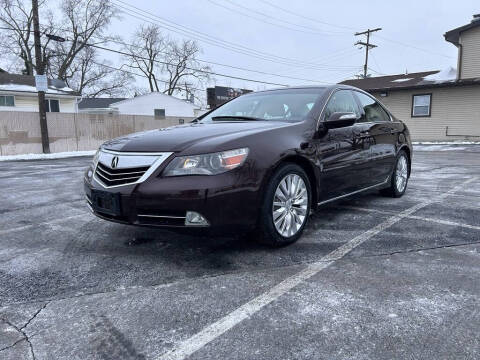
<point x="341" y="101"/>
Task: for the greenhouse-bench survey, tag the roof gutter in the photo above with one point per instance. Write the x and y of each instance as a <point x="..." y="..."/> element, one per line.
<point x="16" y="92"/>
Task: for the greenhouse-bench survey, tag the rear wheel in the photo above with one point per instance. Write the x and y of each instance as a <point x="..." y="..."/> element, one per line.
<point x="399" y="178"/>
<point x="286" y="206"/>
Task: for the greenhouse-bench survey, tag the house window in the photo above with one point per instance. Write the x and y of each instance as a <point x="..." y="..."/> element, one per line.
<point x="159" y="114"/>
<point x="6" y="100"/>
<point x="422" y="105"/>
<point x="52" y="105"/>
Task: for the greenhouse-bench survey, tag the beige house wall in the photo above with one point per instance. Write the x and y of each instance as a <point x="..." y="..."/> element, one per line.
<point x="30" y="103"/>
<point x="20" y="131"/>
<point x="470" y="53"/>
<point x="455" y="113"/>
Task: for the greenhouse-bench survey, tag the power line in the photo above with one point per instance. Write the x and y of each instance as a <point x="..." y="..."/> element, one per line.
<point x="210" y="62"/>
<point x="414" y="47"/>
<point x="134" y="73"/>
<point x="306" y="17"/>
<point x="225" y="65"/>
<point x="187" y="68"/>
<point x="176" y="28"/>
<point x="311" y="30"/>
<point x="367" y="45"/>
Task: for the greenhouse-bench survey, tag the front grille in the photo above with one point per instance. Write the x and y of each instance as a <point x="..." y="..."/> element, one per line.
<point x="123" y="176"/>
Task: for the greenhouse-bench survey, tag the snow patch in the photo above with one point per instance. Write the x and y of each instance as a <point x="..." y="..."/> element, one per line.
<point x="28" y="88"/>
<point x="402" y="80"/>
<point x="59" y="155"/>
<point x="448" y="74"/>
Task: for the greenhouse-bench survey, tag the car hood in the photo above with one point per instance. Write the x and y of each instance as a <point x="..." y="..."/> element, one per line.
<point x="182" y="137"/>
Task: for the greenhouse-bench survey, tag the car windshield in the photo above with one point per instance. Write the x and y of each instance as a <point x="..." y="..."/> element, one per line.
<point x="282" y="105"/>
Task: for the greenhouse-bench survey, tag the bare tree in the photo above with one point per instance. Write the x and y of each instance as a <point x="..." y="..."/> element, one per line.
<point x="17" y="42"/>
<point x="85" y="22"/>
<point x="183" y="69"/>
<point x="95" y="78"/>
<point x="169" y="66"/>
<point x="147" y="53"/>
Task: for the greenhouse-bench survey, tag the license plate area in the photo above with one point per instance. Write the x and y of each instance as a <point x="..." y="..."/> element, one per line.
<point x="106" y="202"/>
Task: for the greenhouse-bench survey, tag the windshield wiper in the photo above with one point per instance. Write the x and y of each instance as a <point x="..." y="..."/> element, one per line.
<point x="228" y="117"/>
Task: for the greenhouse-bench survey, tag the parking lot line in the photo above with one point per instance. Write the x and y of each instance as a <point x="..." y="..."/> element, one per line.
<point x="194" y="343"/>
<point x="20" y="228"/>
<point x="414" y="217"/>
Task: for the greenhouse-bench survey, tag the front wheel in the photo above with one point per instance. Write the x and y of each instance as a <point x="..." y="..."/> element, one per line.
<point x="398" y="183"/>
<point x="286" y="206"/>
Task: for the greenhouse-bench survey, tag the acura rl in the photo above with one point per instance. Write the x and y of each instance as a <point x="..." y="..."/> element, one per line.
<point x="260" y="163"/>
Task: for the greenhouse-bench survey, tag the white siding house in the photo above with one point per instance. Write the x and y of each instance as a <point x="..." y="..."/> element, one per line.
<point x="18" y="93"/>
<point x="156" y="104"/>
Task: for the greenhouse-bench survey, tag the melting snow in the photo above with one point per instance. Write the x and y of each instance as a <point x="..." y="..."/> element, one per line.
<point x="28" y="88"/>
<point x="448" y="74"/>
<point x="402" y="80"/>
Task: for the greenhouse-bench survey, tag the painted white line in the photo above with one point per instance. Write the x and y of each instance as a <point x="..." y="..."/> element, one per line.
<point x="194" y="343"/>
<point x="414" y="217"/>
<point x="26" y="227"/>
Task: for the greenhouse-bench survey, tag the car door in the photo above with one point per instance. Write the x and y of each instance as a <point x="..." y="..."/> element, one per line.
<point x="383" y="134"/>
<point x="343" y="153"/>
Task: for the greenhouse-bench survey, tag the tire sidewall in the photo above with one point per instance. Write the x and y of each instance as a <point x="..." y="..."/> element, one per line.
<point x="397" y="193"/>
<point x="270" y="234"/>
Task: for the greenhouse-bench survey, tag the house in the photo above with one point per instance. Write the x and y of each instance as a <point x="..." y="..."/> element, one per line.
<point x="97" y="105"/>
<point x="158" y="105"/>
<point x="18" y="93"/>
<point x="437" y="105"/>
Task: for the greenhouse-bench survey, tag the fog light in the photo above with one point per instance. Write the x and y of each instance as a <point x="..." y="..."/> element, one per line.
<point x="89" y="174"/>
<point x="195" y="219"/>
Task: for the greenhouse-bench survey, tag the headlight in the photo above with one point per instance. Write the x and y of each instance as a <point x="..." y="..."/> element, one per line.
<point x="207" y="164"/>
<point x="95" y="158"/>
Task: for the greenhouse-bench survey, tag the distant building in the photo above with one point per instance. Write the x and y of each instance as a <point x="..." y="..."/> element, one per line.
<point x="219" y="95"/>
<point x="18" y="93"/>
<point x="437" y="105"/>
<point x="97" y="105"/>
<point x="158" y="105"/>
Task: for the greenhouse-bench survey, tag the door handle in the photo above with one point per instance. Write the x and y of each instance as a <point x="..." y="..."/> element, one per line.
<point x="364" y="134"/>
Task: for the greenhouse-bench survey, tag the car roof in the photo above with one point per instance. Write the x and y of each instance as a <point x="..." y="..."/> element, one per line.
<point x="300" y="87"/>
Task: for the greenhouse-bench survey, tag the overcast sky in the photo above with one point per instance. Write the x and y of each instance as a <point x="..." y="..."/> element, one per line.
<point x="313" y="43"/>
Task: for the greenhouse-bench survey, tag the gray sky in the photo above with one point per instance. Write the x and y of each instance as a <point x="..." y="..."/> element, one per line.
<point x="330" y="49"/>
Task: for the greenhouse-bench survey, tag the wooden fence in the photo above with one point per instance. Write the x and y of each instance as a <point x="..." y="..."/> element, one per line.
<point x="20" y="131"/>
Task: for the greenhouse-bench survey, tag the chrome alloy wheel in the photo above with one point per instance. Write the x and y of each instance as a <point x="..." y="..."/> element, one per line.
<point x="401" y="174"/>
<point x="290" y="204"/>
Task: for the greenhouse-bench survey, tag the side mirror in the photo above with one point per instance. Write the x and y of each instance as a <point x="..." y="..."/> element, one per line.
<point x="340" y="119"/>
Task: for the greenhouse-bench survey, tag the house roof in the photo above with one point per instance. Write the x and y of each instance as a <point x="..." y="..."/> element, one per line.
<point x="426" y="79"/>
<point x="453" y="36"/>
<point x="97" y="103"/>
<point x="156" y="93"/>
<point x="26" y="83"/>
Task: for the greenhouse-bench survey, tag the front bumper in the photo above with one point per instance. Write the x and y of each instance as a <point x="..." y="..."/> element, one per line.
<point x="227" y="201"/>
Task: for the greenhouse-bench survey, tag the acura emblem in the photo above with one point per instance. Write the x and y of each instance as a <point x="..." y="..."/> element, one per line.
<point x="114" y="162"/>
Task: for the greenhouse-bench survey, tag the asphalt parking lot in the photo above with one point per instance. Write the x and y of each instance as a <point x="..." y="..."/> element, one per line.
<point x="372" y="277"/>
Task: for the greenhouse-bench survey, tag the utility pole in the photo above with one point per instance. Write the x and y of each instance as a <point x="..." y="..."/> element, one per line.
<point x="40" y="66"/>
<point x="367" y="45"/>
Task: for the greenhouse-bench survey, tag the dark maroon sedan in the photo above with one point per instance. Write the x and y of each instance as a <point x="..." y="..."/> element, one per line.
<point x="261" y="162"/>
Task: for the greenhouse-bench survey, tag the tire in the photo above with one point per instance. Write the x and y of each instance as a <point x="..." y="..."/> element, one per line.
<point x="278" y="228"/>
<point x="399" y="177"/>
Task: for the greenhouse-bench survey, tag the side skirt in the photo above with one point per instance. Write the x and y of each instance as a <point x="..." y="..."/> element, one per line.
<point x="354" y="192"/>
